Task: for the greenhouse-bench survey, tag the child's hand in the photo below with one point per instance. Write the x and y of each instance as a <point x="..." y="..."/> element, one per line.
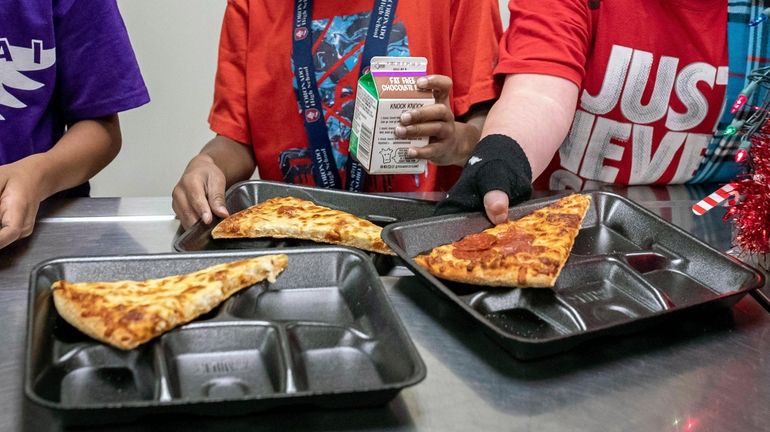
<point x="448" y="143"/>
<point x="497" y="174"/>
<point x="19" y="200"/>
<point x="200" y="191"/>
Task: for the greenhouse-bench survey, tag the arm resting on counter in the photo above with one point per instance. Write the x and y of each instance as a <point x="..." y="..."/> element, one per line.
<point x="201" y="190"/>
<point x="86" y="148"/>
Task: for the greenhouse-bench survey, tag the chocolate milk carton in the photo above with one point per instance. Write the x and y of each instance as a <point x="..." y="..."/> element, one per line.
<point x="384" y="93"/>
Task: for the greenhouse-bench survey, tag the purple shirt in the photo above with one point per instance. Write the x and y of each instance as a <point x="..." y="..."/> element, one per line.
<point x="61" y="61"/>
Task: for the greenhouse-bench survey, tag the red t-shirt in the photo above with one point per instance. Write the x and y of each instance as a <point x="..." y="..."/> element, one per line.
<point x="255" y="102"/>
<point x="652" y="76"/>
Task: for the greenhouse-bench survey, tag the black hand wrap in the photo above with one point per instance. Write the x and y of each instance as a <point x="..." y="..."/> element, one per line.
<point x="497" y="163"/>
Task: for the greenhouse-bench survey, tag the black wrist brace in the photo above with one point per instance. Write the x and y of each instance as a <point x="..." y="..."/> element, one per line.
<point x="497" y="163"/>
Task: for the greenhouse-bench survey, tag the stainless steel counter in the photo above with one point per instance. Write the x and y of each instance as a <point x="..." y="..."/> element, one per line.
<point x="711" y="373"/>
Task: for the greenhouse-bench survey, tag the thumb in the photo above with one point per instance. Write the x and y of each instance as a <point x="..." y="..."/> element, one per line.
<point x="440" y="84"/>
<point x="496" y="206"/>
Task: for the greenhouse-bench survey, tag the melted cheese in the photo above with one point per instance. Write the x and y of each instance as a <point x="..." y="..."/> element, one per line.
<point x="290" y="217"/>
<point x="128" y="313"/>
<point x="529" y="252"/>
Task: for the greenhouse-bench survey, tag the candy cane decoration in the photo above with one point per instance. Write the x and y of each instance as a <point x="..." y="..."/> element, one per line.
<point x="726" y="192"/>
<point x="733" y="200"/>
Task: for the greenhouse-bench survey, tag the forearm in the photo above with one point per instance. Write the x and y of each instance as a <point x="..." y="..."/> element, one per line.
<point x="84" y="150"/>
<point x="536" y="111"/>
<point x="236" y="160"/>
<point x="468" y="130"/>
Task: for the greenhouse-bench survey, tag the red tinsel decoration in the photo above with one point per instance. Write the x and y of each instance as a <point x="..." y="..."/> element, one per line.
<point x="752" y="214"/>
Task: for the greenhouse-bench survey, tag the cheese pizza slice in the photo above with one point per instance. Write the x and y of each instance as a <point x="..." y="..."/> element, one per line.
<point x="527" y="252"/>
<point x="128" y="313"/>
<point x="290" y="217"/>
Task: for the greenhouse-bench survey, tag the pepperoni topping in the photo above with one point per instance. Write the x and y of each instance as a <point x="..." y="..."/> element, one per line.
<point x="474" y="246"/>
<point x="476" y="242"/>
<point x="472" y="255"/>
<point x="513" y="242"/>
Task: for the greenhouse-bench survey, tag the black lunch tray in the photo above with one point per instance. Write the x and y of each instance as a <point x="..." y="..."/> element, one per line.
<point x="325" y="334"/>
<point x="628" y="269"/>
<point x="379" y="209"/>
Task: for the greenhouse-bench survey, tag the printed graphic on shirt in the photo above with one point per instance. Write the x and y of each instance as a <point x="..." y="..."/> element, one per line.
<point x="666" y="124"/>
<point x="338" y="44"/>
<point x="14" y="61"/>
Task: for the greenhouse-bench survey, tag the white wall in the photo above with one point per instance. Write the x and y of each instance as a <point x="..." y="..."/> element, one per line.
<point x="504" y="12"/>
<point x="176" y="44"/>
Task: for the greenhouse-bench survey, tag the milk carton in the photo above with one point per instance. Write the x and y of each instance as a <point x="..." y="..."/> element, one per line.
<point x="384" y="93"/>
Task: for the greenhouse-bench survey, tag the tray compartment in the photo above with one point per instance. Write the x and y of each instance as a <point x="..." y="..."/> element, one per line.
<point x="324" y="304"/>
<point x="605" y="292"/>
<point x="523" y="323"/>
<point x="602" y="240"/>
<point x="680" y="289"/>
<point x="328" y="357"/>
<point x="238" y="359"/>
<point x="94" y="386"/>
<point x="224" y="362"/>
<point x="84" y="374"/>
<point x="628" y="269"/>
<point x="646" y="262"/>
<point x="588" y="294"/>
<point x="329" y="294"/>
<point x="527" y="313"/>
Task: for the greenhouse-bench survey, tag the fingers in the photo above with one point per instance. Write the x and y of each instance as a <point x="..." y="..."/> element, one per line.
<point x="200" y="205"/>
<point x="13" y="221"/>
<point x="18" y="208"/>
<point x="432" y="152"/>
<point x="496" y="206"/>
<point x="427" y="152"/>
<point x="431" y="121"/>
<point x="186" y="215"/>
<point x="434" y="121"/>
<point x="430" y="113"/>
<point x="189" y="201"/>
<point x="436" y="130"/>
<point x="215" y="190"/>
<point x="201" y="189"/>
<point x="440" y="84"/>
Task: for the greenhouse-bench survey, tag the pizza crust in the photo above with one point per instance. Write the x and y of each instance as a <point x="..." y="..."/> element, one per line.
<point x="520" y="276"/>
<point x="528" y="252"/>
<point x="127" y="313"/>
<point x="290" y="217"/>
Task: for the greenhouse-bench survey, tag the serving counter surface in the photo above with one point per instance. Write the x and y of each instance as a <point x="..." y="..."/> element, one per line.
<point x="704" y="373"/>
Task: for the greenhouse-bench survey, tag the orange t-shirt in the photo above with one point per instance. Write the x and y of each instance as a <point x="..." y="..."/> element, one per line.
<point x="255" y="101"/>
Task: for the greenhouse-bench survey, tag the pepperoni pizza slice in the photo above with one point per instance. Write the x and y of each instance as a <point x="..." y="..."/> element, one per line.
<point x="527" y="252"/>
<point x="290" y="217"/>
